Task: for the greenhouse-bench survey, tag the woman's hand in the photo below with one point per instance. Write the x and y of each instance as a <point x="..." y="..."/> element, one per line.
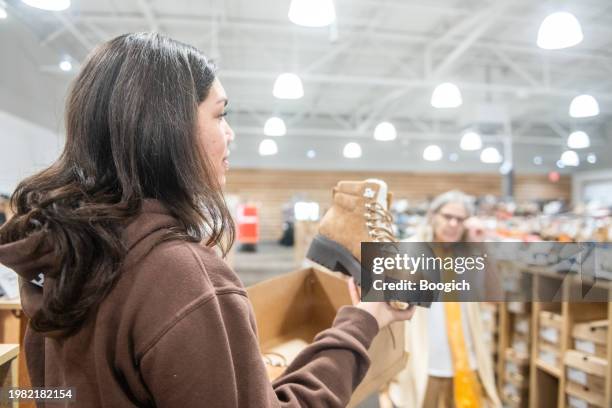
<point x="381" y="311"/>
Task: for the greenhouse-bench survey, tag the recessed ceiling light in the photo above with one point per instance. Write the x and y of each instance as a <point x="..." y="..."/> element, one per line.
<point x="592" y="158"/>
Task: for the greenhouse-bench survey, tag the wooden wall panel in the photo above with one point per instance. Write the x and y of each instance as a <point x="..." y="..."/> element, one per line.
<point x="271" y="189"/>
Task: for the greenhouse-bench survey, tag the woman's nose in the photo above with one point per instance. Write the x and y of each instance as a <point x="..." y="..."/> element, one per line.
<point x="230" y="133"/>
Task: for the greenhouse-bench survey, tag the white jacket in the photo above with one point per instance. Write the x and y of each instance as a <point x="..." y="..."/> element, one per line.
<point x="408" y="388"/>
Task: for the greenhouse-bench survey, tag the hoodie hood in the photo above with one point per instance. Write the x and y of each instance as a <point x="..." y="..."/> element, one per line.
<point x="32" y="257"/>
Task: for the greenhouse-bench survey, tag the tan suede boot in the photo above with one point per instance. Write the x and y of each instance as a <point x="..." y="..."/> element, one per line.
<point x="359" y="213"/>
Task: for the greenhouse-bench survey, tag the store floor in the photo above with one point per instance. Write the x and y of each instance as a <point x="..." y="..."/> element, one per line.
<point x="268" y="261"/>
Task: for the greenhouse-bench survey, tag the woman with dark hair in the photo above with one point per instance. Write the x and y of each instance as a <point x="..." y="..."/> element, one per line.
<point x="115" y="245"/>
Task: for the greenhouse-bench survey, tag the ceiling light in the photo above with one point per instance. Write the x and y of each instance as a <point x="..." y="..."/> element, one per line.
<point x="352" y="150"/>
<point x="584" y="106"/>
<point x="559" y="30"/>
<point x="432" y="153"/>
<point x="490" y="155"/>
<point x="578" y="140"/>
<point x="385" y="131"/>
<point x="311" y="154"/>
<point x="592" y="158"/>
<point x="65" y="65"/>
<point x="3" y="14"/>
<point x="268" y="147"/>
<point x="570" y="158"/>
<point x="446" y="95"/>
<point x="288" y="86"/>
<point x="50" y="5"/>
<point x="312" y="13"/>
<point x="275" y="127"/>
<point x="537" y="160"/>
<point x="471" y="141"/>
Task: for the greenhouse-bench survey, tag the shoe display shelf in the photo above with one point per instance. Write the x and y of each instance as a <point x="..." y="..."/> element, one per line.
<point x="568" y="362"/>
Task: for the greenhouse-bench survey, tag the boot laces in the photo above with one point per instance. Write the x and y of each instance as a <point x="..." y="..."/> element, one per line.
<point x="379" y="222"/>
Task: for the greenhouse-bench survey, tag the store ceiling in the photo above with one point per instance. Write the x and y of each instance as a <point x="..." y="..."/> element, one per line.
<point x="381" y="64"/>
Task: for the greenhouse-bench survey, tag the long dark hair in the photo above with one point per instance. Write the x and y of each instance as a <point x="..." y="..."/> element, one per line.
<point x="131" y="120"/>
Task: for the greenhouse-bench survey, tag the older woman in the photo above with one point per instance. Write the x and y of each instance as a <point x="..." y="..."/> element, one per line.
<point x="450" y="364"/>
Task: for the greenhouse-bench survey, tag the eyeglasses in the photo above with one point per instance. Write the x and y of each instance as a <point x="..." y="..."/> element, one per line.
<point x="450" y="217"/>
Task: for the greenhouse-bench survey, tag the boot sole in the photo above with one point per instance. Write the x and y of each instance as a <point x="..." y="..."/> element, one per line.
<point x="334" y="256"/>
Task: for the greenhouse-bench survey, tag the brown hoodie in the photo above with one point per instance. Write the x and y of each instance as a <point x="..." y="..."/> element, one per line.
<point x="178" y="330"/>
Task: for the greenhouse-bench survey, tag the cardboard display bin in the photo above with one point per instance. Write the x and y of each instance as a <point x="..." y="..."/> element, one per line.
<point x="293" y="308"/>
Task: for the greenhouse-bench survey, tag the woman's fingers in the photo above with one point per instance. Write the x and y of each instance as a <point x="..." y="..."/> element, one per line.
<point x="404" y="314"/>
<point x="354" y="291"/>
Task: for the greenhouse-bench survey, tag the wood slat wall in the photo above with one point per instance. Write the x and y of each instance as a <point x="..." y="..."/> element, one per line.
<point x="271" y="189"/>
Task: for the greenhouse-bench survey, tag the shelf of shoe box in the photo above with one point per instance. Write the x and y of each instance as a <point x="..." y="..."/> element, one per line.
<point x="560" y="375"/>
<point x="491" y="327"/>
<point x="513" y="365"/>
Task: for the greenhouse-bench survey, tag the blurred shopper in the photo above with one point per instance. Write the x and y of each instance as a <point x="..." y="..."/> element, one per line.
<point x="115" y="244"/>
<point x="450" y="364"/>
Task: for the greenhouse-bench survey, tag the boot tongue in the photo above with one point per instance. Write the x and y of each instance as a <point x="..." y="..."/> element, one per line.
<point x="381" y="196"/>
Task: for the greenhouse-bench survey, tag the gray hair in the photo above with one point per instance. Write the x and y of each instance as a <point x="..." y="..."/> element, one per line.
<point x="453" y="196"/>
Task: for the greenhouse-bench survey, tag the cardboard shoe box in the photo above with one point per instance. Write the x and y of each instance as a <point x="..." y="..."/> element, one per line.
<point x="516" y="372"/>
<point x="549" y="355"/>
<point x="574" y="401"/>
<point x="586" y="378"/>
<point x="591" y="337"/>
<point x="293" y="308"/>
<point x="550" y="327"/>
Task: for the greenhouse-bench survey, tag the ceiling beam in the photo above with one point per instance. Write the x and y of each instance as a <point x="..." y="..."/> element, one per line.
<point x="408" y="84"/>
<point x="485" y="20"/>
<point x="417" y="136"/>
<point x="347" y="27"/>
